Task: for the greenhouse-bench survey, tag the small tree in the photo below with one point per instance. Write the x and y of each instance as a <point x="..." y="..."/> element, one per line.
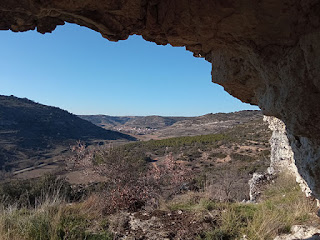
<point x="131" y="182"/>
<point x="229" y="185"/>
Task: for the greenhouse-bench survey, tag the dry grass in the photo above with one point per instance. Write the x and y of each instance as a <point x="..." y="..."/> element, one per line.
<point x="283" y="205"/>
<point x="53" y="219"/>
<point x="190" y="201"/>
<point x="37" y="223"/>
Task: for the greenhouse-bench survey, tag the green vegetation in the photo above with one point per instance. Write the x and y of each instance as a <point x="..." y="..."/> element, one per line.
<point x="139" y="152"/>
<point x="185" y="141"/>
<point x="241" y="157"/>
<point x="218" y="155"/>
<point x="178" y="143"/>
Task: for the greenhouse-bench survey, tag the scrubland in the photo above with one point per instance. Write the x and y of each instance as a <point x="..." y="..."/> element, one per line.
<point x="178" y="188"/>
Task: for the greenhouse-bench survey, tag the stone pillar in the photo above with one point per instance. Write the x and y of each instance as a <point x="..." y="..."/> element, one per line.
<point x="283" y="158"/>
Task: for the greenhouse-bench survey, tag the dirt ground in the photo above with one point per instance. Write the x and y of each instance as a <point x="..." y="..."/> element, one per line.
<point x="162" y="225"/>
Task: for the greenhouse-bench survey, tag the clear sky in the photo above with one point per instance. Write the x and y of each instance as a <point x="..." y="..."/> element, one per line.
<point x="74" y="68"/>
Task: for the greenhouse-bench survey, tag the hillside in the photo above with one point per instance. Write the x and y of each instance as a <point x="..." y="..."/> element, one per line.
<point x="151" y="122"/>
<point x="32" y="130"/>
<point x="187" y="187"/>
<point x="209" y="123"/>
<point x="154" y="127"/>
<point x="193" y="187"/>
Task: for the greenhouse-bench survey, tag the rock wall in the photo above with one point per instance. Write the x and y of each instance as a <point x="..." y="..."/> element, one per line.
<point x="282" y="154"/>
<point x="307" y="162"/>
<point x="264" y="52"/>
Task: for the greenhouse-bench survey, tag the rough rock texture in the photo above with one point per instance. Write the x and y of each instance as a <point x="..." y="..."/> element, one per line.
<point x="161" y="225"/>
<point x="307" y="161"/>
<point x="282" y="155"/>
<point x="264" y="52"/>
<point x="301" y="232"/>
<point x="281" y="158"/>
<point x="256" y="182"/>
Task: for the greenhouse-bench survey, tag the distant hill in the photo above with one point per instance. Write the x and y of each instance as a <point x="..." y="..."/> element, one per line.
<point x="28" y="129"/>
<point x="110" y="122"/>
<point x="209" y="123"/>
<point x="162" y="127"/>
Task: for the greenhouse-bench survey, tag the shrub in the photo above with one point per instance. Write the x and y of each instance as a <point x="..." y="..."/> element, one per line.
<point x="240" y="157"/>
<point x="218" y="155"/>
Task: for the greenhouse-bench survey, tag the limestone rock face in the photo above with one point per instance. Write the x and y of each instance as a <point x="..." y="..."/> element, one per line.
<point x="263" y="52"/>
<point x="281" y="158"/>
<point x="282" y="154"/>
<point x="307" y="161"/>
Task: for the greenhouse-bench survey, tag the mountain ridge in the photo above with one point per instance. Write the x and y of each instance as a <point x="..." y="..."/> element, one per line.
<point x="29" y="129"/>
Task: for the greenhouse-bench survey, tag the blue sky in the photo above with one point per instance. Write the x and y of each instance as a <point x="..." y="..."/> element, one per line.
<point x="74" y="68"/>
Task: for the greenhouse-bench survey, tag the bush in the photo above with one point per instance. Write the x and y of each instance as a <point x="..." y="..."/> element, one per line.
<point x="218" y="155"/>
<point x="240" y="157"/>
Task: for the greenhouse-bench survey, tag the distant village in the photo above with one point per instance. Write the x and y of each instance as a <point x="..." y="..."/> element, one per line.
<point x="135" y="130"/>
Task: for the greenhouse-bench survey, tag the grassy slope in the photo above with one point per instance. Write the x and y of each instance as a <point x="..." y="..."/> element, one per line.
<point x="283" y="205"/>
